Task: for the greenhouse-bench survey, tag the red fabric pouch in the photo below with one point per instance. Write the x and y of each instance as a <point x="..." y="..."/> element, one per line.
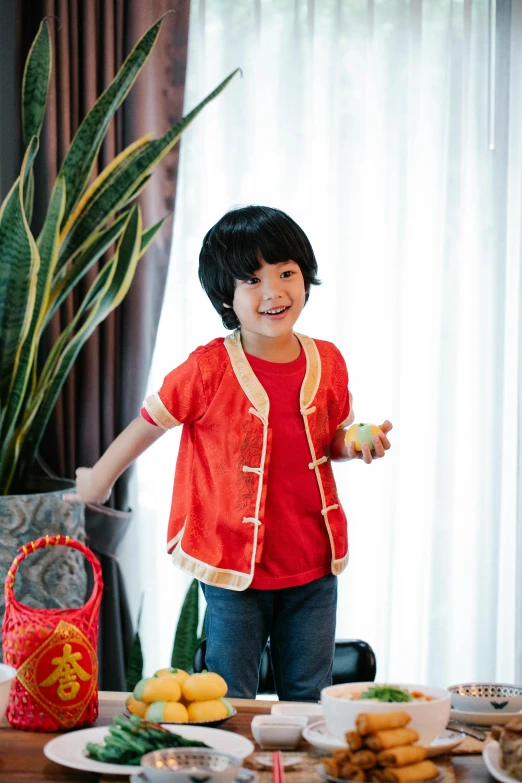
<point x="54" y="652"/>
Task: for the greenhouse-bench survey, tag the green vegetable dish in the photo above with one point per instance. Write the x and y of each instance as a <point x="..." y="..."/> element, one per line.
<point x="130" y="738"/>
<point x="390" y="693"/>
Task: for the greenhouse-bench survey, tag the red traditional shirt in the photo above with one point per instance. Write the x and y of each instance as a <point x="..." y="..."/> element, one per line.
<point x="216" y="528"/>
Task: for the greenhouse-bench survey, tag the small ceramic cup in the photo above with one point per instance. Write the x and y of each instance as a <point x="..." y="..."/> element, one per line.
<point x="278" y="732"/>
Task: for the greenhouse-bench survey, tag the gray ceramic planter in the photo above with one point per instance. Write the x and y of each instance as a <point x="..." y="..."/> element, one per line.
<point x="55" y="577"/>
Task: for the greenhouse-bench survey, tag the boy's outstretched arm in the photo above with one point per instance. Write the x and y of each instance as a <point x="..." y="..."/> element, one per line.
<point x="94" y="485"/>
<point x="339" y="451"/>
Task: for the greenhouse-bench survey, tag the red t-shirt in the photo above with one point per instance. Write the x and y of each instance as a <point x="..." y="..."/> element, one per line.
<point x="296" y="545"/>
<point x="296" y="548"/>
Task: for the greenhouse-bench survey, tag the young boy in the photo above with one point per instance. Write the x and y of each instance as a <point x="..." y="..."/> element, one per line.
<point x="255" y="514"/>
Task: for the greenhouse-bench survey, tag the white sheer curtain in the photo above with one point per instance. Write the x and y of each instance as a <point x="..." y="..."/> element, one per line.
<point x="391" y="131"/>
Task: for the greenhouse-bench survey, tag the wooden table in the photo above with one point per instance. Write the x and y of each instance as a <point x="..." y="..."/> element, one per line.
<point x="22" y="759"/>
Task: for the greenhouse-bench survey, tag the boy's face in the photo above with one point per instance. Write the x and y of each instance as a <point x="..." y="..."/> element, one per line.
<point x="271" y="301"/>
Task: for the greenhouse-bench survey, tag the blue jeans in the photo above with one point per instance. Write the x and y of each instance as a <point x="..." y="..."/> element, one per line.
<point x="300" y="622"/>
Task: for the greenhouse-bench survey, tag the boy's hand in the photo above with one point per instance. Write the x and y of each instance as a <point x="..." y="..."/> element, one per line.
<point x="88" y="490"/>
<point x="380" y="442"/>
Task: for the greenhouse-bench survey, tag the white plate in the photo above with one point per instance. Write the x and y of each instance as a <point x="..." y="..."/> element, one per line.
<point x="482" y="718"/>
<point x="318" y="735"/>
<point x="322" y="774"/>
<point x="491" y="756"/>
<point x="245" y="776"/>
<point x="68" y="749"/>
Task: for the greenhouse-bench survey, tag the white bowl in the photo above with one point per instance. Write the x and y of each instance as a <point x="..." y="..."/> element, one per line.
<point x="7" y="676"/>
<point x="428" y="718"/>
<point x="278" y="732"/>
<point x="188" y="765"/>
<point x="312" y="711"/>
<point x="484" y="697"/>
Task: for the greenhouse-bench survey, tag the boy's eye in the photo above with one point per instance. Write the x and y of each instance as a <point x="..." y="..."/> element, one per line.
<point x="251" y="280"/>
<point x="288" y="273"/>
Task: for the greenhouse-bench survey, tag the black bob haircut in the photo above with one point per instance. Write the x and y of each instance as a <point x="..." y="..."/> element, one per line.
<point x="233" y="248"/>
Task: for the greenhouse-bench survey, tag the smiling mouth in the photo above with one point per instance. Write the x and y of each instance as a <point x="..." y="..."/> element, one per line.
<point x="276" y="311"/>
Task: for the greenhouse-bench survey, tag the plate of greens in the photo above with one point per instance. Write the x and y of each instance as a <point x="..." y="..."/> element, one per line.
<point x="117" y="749"/>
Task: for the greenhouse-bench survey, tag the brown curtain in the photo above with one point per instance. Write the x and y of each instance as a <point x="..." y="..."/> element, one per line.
<point x="103" y="393"/>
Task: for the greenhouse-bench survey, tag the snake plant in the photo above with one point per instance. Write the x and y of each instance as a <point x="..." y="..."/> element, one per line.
<point x="186" y="639"/>
<point x="83" y="222"/>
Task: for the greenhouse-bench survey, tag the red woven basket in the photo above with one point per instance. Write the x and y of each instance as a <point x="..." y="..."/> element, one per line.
<point x="53" y="651"/>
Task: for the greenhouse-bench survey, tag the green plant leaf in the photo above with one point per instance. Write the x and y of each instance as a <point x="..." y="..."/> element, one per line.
<point x="117" y="187"/>
<point x="18" y="276"/>
<point x="138" y="189"/>
<point x="149" y="235"/>
<point x="29" y="197"/>
<point x="106" y="293"/>
<point x="88" y="138"/>
<point x="97" y="246"/>
<point x="92" y="253"/>
<point x="68" y="250"/>
<point x="35" y="84"/>
<point x="186" y="637"/>
<point x="134" y="671"/>
<point x="26" y="356"/>
<point x="203" y="634"/>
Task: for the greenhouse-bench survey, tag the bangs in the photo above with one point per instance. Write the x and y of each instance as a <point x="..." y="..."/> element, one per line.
<point x="249" y="248"/>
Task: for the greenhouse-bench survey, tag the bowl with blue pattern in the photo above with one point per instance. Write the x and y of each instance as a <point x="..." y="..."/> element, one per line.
<point x="484" y="697"/>
<point x="190" y="765"/>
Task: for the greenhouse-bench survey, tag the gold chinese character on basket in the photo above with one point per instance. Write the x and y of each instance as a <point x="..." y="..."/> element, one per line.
<point x="66" y="672"/>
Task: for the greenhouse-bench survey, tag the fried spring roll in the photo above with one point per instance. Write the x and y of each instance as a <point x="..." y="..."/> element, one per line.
<point x="341" y="756"/>
<point x="369" y="722"/>
<point x="399" y="757"/>
<point x="354" y="740"/>
<point x="365" y="759"/>
<point x="351" y="772"/>
<point x="331" y="768"/>
<point x="413" y="773"/>
<point x="377" y="776"/>
<point x="391" y="738"/>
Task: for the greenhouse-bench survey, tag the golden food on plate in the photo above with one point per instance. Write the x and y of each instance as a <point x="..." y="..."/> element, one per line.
<point x="365" y="759"/>
<point x="510" y="743"/>
<point x="173" y="696"/>
<point x="167" y="712"/>
<point x="214" y="709"/>
<point x="354" y="740"/>
<point x="204" y="687"/>
<point x="398" y="757"/>
<point x="179" y="675"/>
<point x="413" y="773"/>
<point x="157" y="689"/>
<point x="368" y="722"/>
<point x="399" y="760"/>
<point x="331" y="767"/>
<point x="390" y="738"/>
<point x="351" y="772"/>
<point x="136" y="707"/>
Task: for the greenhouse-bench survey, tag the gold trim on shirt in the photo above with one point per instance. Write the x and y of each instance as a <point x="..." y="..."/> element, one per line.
<point x="159" y="413"/>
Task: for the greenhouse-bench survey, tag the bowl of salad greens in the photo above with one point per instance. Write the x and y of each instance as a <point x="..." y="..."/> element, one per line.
<point x="427" y="707"/>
